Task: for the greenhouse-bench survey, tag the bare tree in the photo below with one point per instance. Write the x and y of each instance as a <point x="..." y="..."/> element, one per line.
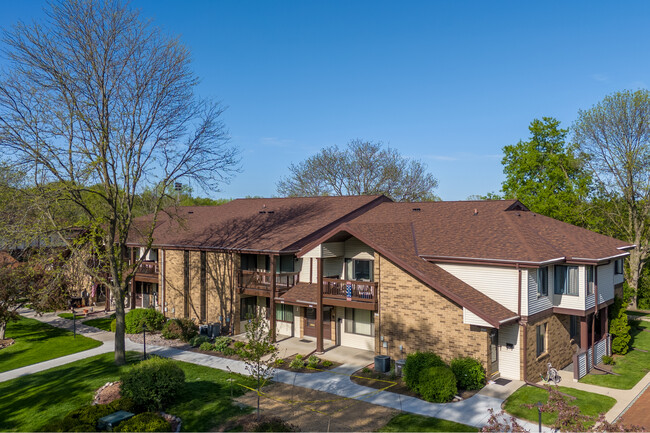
<point x="615" y="134"/>
<point x="362" y="168"/>
<point x="97" y="104"/>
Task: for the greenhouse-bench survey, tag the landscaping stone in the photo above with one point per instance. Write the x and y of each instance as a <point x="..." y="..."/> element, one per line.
<point x="107" y="393"/>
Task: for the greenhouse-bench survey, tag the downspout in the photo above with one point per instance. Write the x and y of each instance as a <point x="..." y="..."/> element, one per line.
<point x="162" y="283"/>
<point x="524" y="324"/>
<point x="593" y="319"/>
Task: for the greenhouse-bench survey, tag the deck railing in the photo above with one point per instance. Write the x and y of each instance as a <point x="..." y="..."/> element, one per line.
<point x="364" y="291"/>
<point x="262" y="280"/>
<point x="149" y="268"/>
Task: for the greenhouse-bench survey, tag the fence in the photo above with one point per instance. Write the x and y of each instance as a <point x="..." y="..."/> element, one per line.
<point x="582" y="361"/>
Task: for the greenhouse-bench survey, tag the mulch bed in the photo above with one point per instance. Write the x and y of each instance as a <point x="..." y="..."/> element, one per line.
<point x="6" y="342"/>
<point x="375" y="380"/>
<point x="319" y="367"/>
<point x="156" y="339"/>
<point x="214" y="353"/>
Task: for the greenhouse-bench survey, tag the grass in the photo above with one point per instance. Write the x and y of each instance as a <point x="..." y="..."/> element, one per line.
<point x="588" y="402"/>
<point x="37" y="342"/>
<point x="101" y="323"/>
<point x="408" y="422"/>
<point x="631" y="367"/>
<point x="30" y="402"/>
<point x="636" y="313"/>
<point x="69" y="316"/>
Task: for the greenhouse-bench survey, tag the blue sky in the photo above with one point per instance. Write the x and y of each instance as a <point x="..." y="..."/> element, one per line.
<point x="446" y="82"/>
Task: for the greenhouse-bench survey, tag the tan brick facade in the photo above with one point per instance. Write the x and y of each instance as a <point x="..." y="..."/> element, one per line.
<point x="559" y="347"/>
<point x="222" y="299"/>
<point x="418" y="318"/>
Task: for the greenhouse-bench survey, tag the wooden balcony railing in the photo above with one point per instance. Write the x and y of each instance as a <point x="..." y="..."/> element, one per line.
<point x="262" y="280"/>
<point x="363" y="291"/>
<point x="149" y="268"/>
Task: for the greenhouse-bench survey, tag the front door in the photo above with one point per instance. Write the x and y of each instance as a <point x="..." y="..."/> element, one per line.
<point x="494" y="351"/>
<point x="310" y="323"/>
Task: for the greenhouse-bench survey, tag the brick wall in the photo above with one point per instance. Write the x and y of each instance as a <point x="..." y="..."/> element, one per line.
<point x="559" y="347"/>
<point x="173" y="283"/>
<point x="419" y="318"/>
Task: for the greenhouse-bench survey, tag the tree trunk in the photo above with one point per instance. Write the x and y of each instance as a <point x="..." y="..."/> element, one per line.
<point x="635" y="262"/>
<point x="3" y="326"/>
<point x="258" y="396"/>
<point x="120" y="345"/>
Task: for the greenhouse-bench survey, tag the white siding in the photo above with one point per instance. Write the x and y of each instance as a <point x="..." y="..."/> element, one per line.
<point x="470" y="318"/>
<point x="332" y="268"/>
<point x="288" y="328"/>
<point x="605" y="283"/>
<point x="571" y="301"/>
<point x="499" y="283"/>
<point x="535" y="302"/>
<point x="332" y="249"/>
<point x="353" y="340"/>
<point x="313" y="253"/>
<point x="509" y="358"/>
<point x="355" y="249"/>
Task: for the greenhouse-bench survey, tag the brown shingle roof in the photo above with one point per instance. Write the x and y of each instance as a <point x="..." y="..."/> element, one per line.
<point x="265" y="224"/>
<point x="301" y="294"/>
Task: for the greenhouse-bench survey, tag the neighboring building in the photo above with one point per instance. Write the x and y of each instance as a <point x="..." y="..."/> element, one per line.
<point x="487" y="279"/>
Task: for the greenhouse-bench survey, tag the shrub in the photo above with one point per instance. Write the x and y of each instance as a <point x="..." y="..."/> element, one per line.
<point x="469" y="373"/>
<point x="297" y="363"/>
<point x="152" y="384"/>
<point x="123" y="403"/>
<point x="113" y="325"/>
<point x="183" y="329"/>
<point x="199" y="340"/>
<point x="418" y="362"/>
<point x="145" y="422"/>
<point x="206" y="346"/>
<point x="299" y="356"/>
<point x="239" y="344"/>
<point x="279" y="361"/>
<point x="220" y="343"/>
<point x="366" y="370"/>
<point x="327" y="364"/>
<point x="608" y="360"/>
<point x="229" y="351"/>
<point x="619" y="327"/>
<point x="437" y="384"/>
<point x="82" y="419"/>
<point x="312" y="361"/>
<point x="136" y="319"/>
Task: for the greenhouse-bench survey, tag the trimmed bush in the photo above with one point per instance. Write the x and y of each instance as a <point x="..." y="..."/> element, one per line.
<point x="149" y="317"/>
<point x="437" y="384"/>
<point x="229" y="351"/>
<point x="297" y="363"/>
<point x="82" y="419"/>
<point x="327" y="363"/>
<point x="220" y="343"/>
<point x="113" y="325"/>
<point x="418" y="362"/>
<point x="312" y="361"/>
<point x="469" y="373"/>
<point x="206" y="346"/>
<point x="153" y="384"/>
<point x="183" y="329"/>
<point x="619" y="327"/>
<point x="199" y="340"/>
<point x="145" y="422"/>
<point x="239" y="345"/>
<point x="608" y="360"/>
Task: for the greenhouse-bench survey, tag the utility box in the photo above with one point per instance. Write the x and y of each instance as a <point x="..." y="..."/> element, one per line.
<point x="109" y="422"/>
<point x="399" y="366"/>
<point x="382" y="363"/>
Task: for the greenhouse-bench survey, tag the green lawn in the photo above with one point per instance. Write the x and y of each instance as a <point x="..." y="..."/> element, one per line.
<point x="631" y="367"/>
<point x="69" y="316"/>
<point x="418" y="423"/>
<point x="37" y="342"/>
<point x="636" y="313"/>
<point x="30" y="402"/>
<point x="589" y="403"/>
<point x="101" y="323"/>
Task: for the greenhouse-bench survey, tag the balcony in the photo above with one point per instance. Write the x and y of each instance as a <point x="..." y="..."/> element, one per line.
<point x="147" y="271"/>
<point x="346" y="290"/>
<point x="259" y="283"/>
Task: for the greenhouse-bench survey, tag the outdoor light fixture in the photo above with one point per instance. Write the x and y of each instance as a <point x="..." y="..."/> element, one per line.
<point x="539" y="410"/>
<point x="144" y="339"/>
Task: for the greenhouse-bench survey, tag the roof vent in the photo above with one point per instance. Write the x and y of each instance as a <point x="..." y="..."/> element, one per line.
<point x="262" y="211"/>
<point x="191" y="211"/>
<point x="416" y="209"/>
<point x="475" y="211"/>
<point x="271" y="211"/>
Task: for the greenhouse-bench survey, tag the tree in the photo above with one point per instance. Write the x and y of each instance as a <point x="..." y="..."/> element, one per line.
<point x="546" y="174"/>
<point x="96" y="104"/>
<point x="259" y="353"/>
<point x="615" y="134"/>
<point x="361" y="168"/>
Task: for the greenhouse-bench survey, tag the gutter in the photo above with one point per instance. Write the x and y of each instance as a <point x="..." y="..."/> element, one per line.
<point x="504" y="261"/>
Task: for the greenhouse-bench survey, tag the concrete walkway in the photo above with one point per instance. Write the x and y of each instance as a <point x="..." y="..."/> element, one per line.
<point x="473" y="411"/>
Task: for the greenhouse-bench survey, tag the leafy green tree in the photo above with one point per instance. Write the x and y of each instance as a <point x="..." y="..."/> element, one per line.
<point x="619" y="327"/>
<point x="615" y="135"/>
<point x="361" y="168"/>
<point x="259" y="353"/>
<point x="546" y="173"/>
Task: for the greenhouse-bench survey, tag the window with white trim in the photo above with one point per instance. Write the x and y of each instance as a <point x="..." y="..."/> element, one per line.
<point x="541" y="338"/>
<point x="566" y="280"/>
<point x="618" y="267"/>
<point x="284" y="313"/>
<point x="359" y="322"/>
<point x="542" y="281"/>
<point x="590" y="283"/>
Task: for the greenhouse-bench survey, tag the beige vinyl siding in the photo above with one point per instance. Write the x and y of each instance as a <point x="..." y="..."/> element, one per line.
<point x="470" y="318"/>
<point x="509" y="358"/>
<point x="499" y="283"/>
<point x="355" y="249"/>
<point x="606" y="282"/>
<point x="534" y="303"/>
<point x="332" y="267"/>
<point x="353" y="340"/>
<point x="326" y="250"/>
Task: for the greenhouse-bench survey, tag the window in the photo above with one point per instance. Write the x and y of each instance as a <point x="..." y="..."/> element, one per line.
<point x="541" y="339"/>
<point x="542" y="281"/>
<point x="284" y="264"/>
<point x="359" y="322"/>
<point x="618" y="267"/>
<point x="566" y="280"/>
<point x="591" y="285"/>
<point x="249" y="262"/>
<point x="248" y="308"/>
<point x="358" y="270"/>
<point x="574" y="327"/>
<point x="284" y="313"/>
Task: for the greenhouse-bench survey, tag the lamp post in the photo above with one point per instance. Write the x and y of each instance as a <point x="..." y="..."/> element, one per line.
<point x="539" y="412"/>
<point x="74" y="324"/>
<point x="144" y="339"/>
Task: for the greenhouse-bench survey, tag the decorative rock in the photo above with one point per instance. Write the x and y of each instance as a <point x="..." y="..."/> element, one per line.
<point x="101" y="398"/>
<point x="173" y="420"/>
